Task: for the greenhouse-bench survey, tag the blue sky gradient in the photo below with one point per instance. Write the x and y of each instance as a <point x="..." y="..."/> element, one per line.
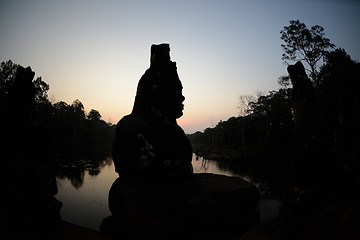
<point x="96" y="51"/>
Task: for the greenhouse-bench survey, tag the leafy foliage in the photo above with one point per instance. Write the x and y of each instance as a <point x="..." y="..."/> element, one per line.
<point x="7" y="76"/>
<point x="63" y="131"/>
<point x="268" y="120"/>
<point x="303" y="44"/>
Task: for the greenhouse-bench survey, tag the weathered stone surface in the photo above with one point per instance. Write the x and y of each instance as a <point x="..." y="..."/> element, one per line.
<point x="204" y="205"/>
<point x="149" y="142"/>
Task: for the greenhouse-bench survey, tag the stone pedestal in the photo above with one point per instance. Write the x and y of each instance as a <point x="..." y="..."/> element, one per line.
<point x="204" y="205"/>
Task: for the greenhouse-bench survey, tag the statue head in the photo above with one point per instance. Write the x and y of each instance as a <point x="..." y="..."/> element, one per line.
<point x="296" y="72"/>
<point x="24" y="74"/>
<point x="159" y="89"/>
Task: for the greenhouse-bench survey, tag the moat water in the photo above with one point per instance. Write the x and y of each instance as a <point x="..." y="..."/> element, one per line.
<point x="84" y="193"/>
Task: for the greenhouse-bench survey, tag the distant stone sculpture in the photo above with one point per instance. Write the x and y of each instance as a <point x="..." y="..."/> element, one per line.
<point x="20" y="99"/>
<point x="30" y="209"/>
<point x="307" y="125"/>
<point x="149" y="142"/>
<point x="305" y="102"/>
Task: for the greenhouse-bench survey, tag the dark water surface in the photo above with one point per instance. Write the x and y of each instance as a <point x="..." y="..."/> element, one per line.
<point x="85" y="200"/>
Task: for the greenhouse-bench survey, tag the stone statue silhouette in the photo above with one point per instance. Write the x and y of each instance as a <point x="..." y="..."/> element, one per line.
<point x="31" y="209"/>
<point x="305" y="101"/>
<point x="307" y="126"/>
<point x="149" y="142"/>
<point x="157" y="195"/>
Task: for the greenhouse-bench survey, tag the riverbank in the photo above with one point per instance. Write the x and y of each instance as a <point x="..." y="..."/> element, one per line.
<point x="263" y="166"/>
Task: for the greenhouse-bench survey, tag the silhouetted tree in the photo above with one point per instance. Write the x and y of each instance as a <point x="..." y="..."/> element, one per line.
<point x="94" y="115"/>
<point x="61" y="110"/>
<point x="62" y="130"/>
<point x="303" y="44"/>
<point x="284" y="81"/>
<point x="7" y="77"/>
<point x="78" y="110"/>
<point x="338" y="91"/>
<point x="244" y="104"/>
<point x="41" y="89"/>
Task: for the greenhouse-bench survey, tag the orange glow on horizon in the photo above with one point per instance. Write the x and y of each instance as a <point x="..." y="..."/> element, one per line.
<point x="186" y="122"/>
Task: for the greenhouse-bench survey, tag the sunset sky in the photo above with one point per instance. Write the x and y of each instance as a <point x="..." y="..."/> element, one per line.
<point x="96" y="51"/>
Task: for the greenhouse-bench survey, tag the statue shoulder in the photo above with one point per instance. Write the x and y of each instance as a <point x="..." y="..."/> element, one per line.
<point x="131" y="121"/>
<point x="130" y="125"/>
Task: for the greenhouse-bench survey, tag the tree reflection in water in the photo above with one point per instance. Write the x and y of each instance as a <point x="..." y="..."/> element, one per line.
<point x="79" y="194"/>
<point x="74" y="171"/>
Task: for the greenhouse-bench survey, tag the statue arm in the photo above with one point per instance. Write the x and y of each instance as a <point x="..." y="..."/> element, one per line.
<point x="132" y="153"/>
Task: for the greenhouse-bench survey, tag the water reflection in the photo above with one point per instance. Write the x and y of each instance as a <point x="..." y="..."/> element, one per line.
<point x="84" y="187"/>
<point x="269" y="206"/>
<point x="202" y="165"/>
<point x="75" y="171"/>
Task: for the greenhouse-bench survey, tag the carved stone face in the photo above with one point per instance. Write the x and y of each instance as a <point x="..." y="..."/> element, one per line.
<point x="172" y="105"/>
<point x="178" y="104"/>
<point x="25" y="74"/>
<point x="296" y="72"/>
<point x="160" y="89"/>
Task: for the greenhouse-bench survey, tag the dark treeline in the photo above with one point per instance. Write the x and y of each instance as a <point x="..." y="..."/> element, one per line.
<point x="312" y="167"/>
<point x="260" y="142"/>
<point x="63" y="131"/>
<point x="268" y="118"/>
